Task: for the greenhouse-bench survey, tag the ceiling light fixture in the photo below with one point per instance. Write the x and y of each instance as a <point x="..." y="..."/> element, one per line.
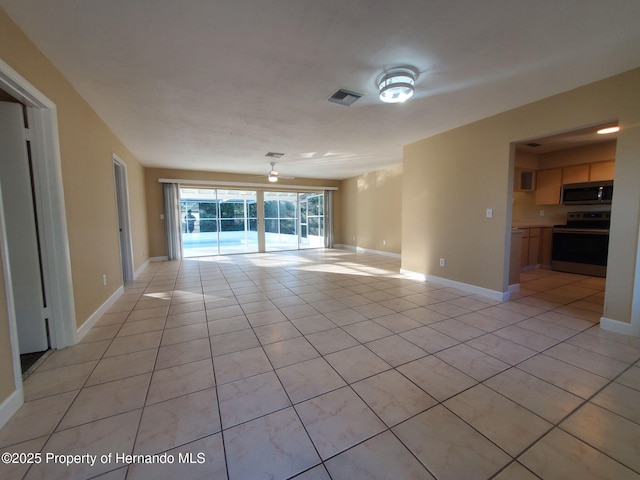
<point x="396" y="84"/>
<point x="604" y="131"/>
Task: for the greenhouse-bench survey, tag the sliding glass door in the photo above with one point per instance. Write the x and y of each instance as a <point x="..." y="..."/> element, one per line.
<point x="220" y="221"/>
<point x="293" y="220"/>
<point x="216" y="222"/>
<point x="312" y="220"/>
<point x="280" y="221"/>
<point x="238" y="231"/>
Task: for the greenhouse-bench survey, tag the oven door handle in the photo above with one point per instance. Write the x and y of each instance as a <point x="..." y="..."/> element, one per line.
<point x="582" y="231"/>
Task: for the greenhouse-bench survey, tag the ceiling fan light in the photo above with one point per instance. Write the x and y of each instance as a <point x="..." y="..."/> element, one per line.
<point x="272" y="178"/>
<point x="397" y="84"/>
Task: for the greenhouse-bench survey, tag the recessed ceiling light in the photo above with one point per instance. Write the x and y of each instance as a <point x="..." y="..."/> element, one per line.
<point x="604" y="131"/>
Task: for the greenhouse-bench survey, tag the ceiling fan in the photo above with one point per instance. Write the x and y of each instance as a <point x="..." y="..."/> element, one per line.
<point x="274" y="175"/>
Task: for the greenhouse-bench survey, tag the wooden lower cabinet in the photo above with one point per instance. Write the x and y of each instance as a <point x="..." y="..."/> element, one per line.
<point x="536" y="247"/>
<point x="546" y="239"/>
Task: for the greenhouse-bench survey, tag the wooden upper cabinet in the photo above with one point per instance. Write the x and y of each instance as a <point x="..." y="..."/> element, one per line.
<point x="548" y="184"/>
<point x="602" y="171"/>
<point x="575" y="174"/>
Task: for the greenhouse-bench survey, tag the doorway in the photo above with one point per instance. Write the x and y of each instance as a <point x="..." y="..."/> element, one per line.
<point x="22" y="235"/>
<point x="124" y="226"/>
<point x="52" y="226"/>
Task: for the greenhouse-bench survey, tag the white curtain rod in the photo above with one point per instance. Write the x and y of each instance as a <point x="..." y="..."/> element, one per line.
<point x="271" y="186"/>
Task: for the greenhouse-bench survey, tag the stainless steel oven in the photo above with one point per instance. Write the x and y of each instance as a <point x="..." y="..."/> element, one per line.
<point x="582" y="245"/>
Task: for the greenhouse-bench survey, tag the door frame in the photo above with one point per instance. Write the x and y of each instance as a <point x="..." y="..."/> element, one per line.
<point x="124" y="222"/>
<point x="56" y="258"/>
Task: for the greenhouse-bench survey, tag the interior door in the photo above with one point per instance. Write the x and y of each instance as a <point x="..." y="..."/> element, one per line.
<point x="124" y="228"/>
<point x="21" y="224"/>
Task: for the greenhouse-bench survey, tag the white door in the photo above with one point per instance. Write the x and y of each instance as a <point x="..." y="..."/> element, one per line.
<point x="122" y="202"/>
<point x="22" y="238"/>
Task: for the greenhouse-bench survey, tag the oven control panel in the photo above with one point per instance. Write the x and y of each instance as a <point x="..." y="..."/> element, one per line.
<point x="588" y="216"/>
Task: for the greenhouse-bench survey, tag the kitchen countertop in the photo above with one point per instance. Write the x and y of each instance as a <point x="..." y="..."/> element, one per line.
<point x="530" y="225"/>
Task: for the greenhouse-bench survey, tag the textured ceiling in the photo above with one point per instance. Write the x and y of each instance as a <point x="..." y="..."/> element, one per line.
<point x="215" y="85"/>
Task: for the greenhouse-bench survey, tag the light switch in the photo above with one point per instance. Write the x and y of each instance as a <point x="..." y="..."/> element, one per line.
<point x="489" y="213"/>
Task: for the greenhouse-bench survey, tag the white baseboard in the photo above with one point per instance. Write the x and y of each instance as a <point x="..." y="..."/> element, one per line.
<point x="616" y="326"/>
<point x="139" y="271"/>
<point x="95" y="316"/>
<point x="10" y="406"/>
<point x="159" y="259"/>
<point x="465" y="287"/>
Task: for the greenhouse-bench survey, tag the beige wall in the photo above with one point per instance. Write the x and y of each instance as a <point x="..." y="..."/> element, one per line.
<point x="153" y="188"/>
<point x="86" y="149"/>
<point x="372" y="211"/>
<point x="450" y="179"/>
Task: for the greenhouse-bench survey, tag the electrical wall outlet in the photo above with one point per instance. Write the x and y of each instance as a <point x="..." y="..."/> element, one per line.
<point x="442" y="262"/>
<point x="489" y="212"/>
<point x="542" y="213"/>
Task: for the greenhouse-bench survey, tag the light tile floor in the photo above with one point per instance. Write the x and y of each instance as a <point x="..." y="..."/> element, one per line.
<point x="331" y="364"/>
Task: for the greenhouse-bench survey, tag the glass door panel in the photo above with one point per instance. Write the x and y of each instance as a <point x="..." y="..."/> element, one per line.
<point x="311" y="220"/>
<point x="280" y="221"/>
<point x="238" y="221"/>
<point x="199" y="212"/>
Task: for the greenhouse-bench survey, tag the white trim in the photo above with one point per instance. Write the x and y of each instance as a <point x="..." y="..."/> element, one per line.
<point x="139" y="271"/>
<point x="10" y="406"/>
<point x="56" y="258"/>
<point x="266" y="186"/>
<point x="50" y="194"/>
<point x="465" y="287"/>
<point x="159" y="259"/>
<point x="617" y="326"/>
<point x="95" y="316"/>
<point x="122" y="208"/>
<point x="368" y="250"/>
<point x="513" y="288"/>
<point x="17" y="86"/>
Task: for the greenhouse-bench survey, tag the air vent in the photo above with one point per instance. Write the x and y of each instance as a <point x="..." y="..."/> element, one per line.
<point x="274" y="155"/>
<point x="344" y="97"/>
<point x="534" y="144"/>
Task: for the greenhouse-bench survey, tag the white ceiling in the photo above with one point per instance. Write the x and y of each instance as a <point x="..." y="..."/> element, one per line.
<point x="215" y="85"/>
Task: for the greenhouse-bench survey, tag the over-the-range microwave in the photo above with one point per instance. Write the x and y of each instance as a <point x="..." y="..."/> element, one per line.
<point x="588" y="193"/>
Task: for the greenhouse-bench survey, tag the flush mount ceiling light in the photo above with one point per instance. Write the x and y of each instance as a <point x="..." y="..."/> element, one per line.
<point x="604" y="131"/>
<point x="396" y="84"/>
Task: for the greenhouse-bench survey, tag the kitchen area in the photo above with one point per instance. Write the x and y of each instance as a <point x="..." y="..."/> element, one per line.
<point x="562" y="194"/>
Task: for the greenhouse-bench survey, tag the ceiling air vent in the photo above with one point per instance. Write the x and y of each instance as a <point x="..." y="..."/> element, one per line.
<point x="344" y="97"/>
<point x="534" y="144"/>
<point x="274" y="155"/>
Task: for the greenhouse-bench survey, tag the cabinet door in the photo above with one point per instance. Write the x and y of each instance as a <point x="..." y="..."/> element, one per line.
<point x="534" y="246"/>
<point x="524" y="180"/>
<point x="548" y="184"/>
<point x="524" y="252"/>
<point x="602" y="171"/>
<point x="546" y="237"/>
<point x="575" y="174"/>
